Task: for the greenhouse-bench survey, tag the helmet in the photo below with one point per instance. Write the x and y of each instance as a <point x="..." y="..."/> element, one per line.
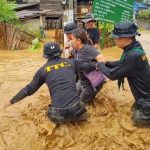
<point x="125" y="29"/>
<point x="51" y="50"/>
<point x="69" y="28"/>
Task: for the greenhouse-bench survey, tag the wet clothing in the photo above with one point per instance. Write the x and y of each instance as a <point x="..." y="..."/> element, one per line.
<point x="59" y="76"/>
<point x="74" y="113"/>
<point x="86" y="54"/>
<point x="136" y="68"/>
<point x="94" y="35"/>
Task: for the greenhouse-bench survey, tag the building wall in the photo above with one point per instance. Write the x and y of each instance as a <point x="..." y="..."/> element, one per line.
<point x="51" y="4"/>
<point x="32" y="25"/>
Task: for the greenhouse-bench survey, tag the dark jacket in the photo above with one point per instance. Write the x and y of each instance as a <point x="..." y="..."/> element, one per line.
<point x="135" y="67"/>
<point x="85" y="55"/>
<point x="59" y="76"/>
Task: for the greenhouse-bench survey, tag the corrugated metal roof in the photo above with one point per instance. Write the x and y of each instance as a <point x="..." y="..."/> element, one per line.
<point x="21" y="6"/>
<point x="31" y="14"/>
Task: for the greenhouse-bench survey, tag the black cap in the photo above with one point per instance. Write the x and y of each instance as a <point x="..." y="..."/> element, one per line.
<point x="69" y="28"/>
<point x="51" y="50"/>
<point x="125" y="29"/>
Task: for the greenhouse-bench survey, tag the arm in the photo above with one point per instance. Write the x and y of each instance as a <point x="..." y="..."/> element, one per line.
<point x="87" y="67"/>
<point x="124" y="69"/>
<point x="112" y="64"/>
<point x="90" y="54"/>
<point x="83" y="66"/>
<point x="31" y="88"/>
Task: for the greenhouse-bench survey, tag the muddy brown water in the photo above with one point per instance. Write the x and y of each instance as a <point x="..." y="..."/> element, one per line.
<point x="24" y="125"/>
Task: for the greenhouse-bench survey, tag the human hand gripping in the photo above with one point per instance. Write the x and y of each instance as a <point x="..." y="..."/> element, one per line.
<point x="100" y="58"/>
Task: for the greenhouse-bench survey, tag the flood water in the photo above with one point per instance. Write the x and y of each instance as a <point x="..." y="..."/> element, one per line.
<point x="24" y="125"/>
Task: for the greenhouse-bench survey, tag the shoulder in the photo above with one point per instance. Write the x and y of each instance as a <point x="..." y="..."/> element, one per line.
<point x="38" y="73"/>
<point x="88" y="48"/>
<point x="135" y="56"/>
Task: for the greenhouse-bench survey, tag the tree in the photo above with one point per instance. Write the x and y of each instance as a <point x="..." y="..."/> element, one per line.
<point x="143" y="1"/>
<point x="7" y="13"/>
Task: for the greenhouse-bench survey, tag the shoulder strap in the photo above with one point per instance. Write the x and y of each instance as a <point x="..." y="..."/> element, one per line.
<point x="134" y="49"/>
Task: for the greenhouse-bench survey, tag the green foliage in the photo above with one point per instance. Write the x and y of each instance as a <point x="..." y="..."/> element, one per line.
<point x="140" y="1"/>
<point x="7" y="14"/>
<point x="109" y="26"/>
<point x="35" y="44"/>
<point x="108" y="42"/>
<point x="144" y="15"/>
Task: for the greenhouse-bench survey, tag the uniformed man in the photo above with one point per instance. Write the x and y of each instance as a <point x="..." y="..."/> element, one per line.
<point x="134" y="65"/>
<point x="93" y="33"/>
<point x="59" y="75"/>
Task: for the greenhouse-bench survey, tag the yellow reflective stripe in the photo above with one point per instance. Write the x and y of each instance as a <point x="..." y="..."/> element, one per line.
<point x="57" y="66"/>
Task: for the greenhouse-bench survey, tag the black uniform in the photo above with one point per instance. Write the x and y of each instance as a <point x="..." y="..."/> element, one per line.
<point x="94" y="35"/>
<point x="59" y="75"/>
<point x="136" y="68"/>
<point x="86" y="54"/>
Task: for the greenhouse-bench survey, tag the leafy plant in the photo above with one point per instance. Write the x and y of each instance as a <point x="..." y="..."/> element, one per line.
<point x="108" y="42"/>
<point x="144" y="15"/>
<point x="7" y="13"/>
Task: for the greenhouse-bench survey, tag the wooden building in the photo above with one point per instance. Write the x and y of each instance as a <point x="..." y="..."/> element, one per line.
<point x="54" y="18"/>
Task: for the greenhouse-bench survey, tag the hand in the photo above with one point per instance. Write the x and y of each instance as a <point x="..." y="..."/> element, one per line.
<point x="66" y="47"/>
<point x="100" y="58"/>
<point x="7" y="104"/>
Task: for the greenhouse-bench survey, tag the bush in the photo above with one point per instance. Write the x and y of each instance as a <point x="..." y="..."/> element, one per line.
<point x="7" y="14"/>
<point x="144" y="15"/>
<point x="108" y="41"/>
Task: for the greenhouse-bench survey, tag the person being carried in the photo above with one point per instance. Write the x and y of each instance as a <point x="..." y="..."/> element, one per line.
<point x="86" y="54"/>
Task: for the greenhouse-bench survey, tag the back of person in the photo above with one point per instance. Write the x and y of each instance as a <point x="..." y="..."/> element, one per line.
<point x="59" y="75"/>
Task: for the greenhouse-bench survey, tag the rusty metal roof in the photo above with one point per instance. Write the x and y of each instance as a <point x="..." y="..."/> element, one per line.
<point x="31" y="14"/>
